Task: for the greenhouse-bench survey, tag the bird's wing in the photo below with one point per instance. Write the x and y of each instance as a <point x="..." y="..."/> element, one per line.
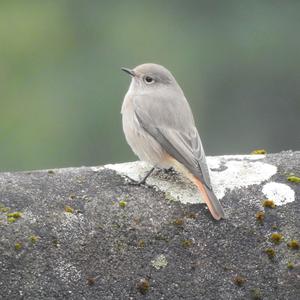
<point x="171" y="124"/>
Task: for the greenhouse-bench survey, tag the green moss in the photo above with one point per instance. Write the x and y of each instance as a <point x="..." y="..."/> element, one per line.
<point x="11" y="220"/>
<point x="191" y="215"/>
<point x="141" y="243"/>
<point x="91" y="280"/>
<point x="239" y="280"/>
<point x="290" y="265"/>
<point x="260" y="216"/>
<point x="3" y="209"/>
<point x="15" y="215"/>
<point x="178" y="222"/>
<point x="256" y="294"/>
<point x="268" y="203"/>
<point x="122" y="203"/>
<point x="293" y="244"/>
<point x="270" y="252"/>
<point x="186" y="243"/>
<point x="33" y="239"/>
<point x="143" y="286"/>
<point x="18" y="246"/>
<point x="276" y="237"/>
<point x="69" y="209"/>
<point x="259" y="151"/>
<point x="295" y="179"/>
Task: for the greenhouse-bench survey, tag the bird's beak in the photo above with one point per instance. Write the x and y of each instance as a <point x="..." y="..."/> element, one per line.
<point x="129" y="71"/>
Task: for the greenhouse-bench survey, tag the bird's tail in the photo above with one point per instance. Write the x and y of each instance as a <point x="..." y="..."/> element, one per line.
<point x="211" y="200"/>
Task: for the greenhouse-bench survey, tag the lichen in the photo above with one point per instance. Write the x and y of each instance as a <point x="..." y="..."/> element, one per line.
<point x="143" y="286"/>
<point x="295" y="179"/>
<point x="69" y="209"/>
<point x="293" y="244"/>
<point x="270" y="252"/>
<point x="239" y="280"/>
<point x="122" y="203"/>
<point x="260" y="216"/>
<point x="276" y="237"/>
<point x="159" y="262"/>
<point x="290" y="265"/>
<point x="18" y="246"/>
<point x="268" y="203"/>
<point x="259" y="151"/>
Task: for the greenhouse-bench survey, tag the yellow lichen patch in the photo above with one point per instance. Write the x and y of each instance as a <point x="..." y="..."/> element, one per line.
<point x="259" y="151"/>
<point x="290" y="265"/>
<point x="33" y="239"/>
<point x="260" y="216"/>
<point x="69" y="209"/>
<point x="276" y="237"/>
<point x="270" y="252"/>
<point x="122" y="203"/>
<point x="293" y="244"/>
<point x="268" y="203"/>
<point x="295" y="179"/>
<point x="239" y="280"/>
<point x="143" y="286"/>
<point x="18" y="246"/>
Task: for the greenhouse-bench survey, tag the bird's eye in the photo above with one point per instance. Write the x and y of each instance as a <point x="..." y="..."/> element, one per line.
<point x="148" y="79"/>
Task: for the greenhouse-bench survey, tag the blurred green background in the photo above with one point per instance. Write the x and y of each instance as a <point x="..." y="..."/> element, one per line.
<point x="61" y="87"/>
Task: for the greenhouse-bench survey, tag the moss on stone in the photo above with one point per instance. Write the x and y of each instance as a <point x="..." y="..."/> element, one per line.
<point x="260" y="216"/>
<point x="268" y="203"/>
<point x="270" y="252"/>
<point x="239" y="280"/>
<point x="276" y="237"/>
<point x="122" y="203"/>
<point x="143" y="286"/>
<point x="295" y="179"/>
<point x="18" y="246"/>
<point x="69" y="209"/>
<point x="259" y="151"/>
<point x="293" y="244"/>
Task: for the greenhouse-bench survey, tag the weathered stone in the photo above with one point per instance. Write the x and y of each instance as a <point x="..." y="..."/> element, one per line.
<point x="97" y="249"/>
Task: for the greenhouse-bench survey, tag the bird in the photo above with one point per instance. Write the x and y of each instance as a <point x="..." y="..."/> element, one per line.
<point x="159" y="127"/>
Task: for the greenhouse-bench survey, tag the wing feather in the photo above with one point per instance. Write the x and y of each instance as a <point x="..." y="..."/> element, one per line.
<point x="177" y="134"/>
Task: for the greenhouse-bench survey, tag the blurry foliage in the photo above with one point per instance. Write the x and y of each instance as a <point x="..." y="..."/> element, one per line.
<point x="61" y="86"/>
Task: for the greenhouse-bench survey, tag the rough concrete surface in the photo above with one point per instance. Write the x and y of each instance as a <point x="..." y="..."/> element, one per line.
<point x="85" y="233"/>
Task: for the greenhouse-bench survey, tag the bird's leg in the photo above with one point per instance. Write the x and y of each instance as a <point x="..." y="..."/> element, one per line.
<point x="143" y="180"/>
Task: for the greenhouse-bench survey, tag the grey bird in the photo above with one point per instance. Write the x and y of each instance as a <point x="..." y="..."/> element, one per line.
<point x="159" y="127"/>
